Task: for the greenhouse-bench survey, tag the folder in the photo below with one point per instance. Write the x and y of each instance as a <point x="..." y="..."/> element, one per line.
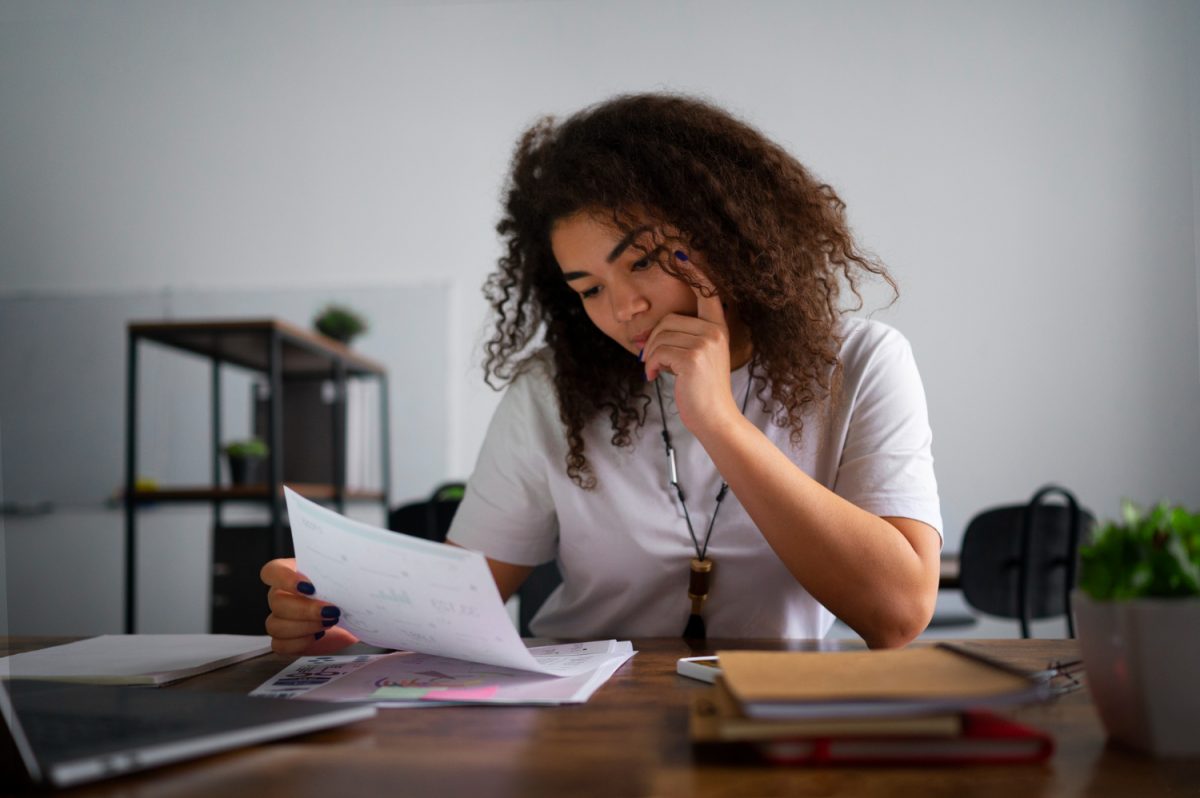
<point x="144" y="659"/>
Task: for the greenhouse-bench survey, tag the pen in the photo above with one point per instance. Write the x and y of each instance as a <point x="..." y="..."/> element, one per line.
<point x="971" y="653"/>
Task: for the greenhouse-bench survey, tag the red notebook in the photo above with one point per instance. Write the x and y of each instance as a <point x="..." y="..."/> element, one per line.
<point x="986" y="738"/>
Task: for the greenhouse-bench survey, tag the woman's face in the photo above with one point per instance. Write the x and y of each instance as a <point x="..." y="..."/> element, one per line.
<point x="624" y="293"/>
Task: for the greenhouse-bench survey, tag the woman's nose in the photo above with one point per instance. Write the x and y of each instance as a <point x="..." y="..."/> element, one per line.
<point x="627" y="301"/>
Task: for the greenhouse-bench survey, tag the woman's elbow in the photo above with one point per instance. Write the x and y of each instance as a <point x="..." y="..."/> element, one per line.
<point x="901" y="626"/>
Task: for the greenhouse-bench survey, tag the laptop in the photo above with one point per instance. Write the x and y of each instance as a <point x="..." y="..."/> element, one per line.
<point x="67" y="733"/>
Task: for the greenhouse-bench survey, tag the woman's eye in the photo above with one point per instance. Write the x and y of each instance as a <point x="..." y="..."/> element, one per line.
<point x="640" y="265"/>
<point x="588" y="293"/>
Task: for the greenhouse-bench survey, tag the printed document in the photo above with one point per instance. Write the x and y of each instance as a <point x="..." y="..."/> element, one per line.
<point x="398" y="591"/>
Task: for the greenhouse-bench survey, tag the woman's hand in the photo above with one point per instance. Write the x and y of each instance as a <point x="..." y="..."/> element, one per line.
<point x="696" y="350"/>
<point x="298" y="623"/>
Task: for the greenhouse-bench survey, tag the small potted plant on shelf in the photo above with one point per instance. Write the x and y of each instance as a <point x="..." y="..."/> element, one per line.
<point x="247" y="461"/>
<point x="340" y="323"/>
<point x="1138" y="614"/>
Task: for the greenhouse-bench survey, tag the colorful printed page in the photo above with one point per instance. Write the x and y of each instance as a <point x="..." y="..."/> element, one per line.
<point x="406" y="679"/>
<point x="397" y="591"/>
<point x="306" y="673"/>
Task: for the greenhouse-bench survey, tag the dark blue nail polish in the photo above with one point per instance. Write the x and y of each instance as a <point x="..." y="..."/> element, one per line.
<point x="306" y="588"/>
<point x="318" y="635"/>
<point x="330" y="612"/>
<point x="641" y="352"/>
<point x="679" y="253"/>
<point x="329" y="622"/>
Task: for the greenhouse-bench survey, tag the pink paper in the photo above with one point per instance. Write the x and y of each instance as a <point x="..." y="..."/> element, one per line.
<point x="462" y="694"/>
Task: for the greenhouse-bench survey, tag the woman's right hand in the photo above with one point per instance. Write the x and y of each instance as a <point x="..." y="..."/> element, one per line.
<point x="298" y="623"/>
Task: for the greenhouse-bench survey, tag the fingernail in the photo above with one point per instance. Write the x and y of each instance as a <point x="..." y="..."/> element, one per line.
<point x="329" y="622"/>
<point x="318" y="635"/>
<point x="641" y="352"/>
<point x="679" y="253"/>
<point x="330" y="612"/>
<point x="306" y="588"/>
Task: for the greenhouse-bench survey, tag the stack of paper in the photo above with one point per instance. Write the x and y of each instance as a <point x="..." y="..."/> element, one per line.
<point x="439" y="606"/>
<point x="406" y="679"/>
<point x="922" y="705"/>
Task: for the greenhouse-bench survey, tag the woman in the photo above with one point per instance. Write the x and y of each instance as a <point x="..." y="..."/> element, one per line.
<point x="692" y="428"/>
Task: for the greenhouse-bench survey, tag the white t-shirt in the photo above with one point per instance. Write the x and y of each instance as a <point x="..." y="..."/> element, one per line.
<point x="623" y="548"/>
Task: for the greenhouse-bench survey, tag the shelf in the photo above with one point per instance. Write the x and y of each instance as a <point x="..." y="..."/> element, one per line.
<point x="247" y="493"/>
<point x="295" y="362"/>
<point x="245" y="343"/>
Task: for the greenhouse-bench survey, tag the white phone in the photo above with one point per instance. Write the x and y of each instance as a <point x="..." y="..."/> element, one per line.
<point x="703" y="668"/>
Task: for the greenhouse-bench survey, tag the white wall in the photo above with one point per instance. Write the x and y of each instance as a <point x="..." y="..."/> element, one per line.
<point x="1028" y="170"/>
<point x="1193" y="28"/>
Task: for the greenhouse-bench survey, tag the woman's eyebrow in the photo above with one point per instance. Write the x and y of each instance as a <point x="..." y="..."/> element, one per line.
<point x="624" y="243"/>
<point x="621" y="246"/>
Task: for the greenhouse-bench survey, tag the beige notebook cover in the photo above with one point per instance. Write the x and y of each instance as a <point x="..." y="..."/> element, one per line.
<point x="896" y="675"/>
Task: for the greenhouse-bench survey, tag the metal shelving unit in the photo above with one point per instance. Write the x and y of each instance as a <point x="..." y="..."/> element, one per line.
<point x="284" y="353"/>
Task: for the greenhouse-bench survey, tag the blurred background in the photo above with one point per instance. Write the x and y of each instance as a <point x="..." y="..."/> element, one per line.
<point x="1029" y="171"/>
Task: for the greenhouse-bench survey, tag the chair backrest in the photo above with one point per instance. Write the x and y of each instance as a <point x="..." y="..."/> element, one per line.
<point x="430" y="519"/>
<point x="1020" y="561"/>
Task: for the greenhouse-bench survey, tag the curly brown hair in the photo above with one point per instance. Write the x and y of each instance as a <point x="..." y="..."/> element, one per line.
<point x="775" y="239"/>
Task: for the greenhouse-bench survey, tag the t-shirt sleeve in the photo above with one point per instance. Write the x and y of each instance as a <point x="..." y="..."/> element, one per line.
<point x="886" y="466"/>
<point x="507" y="511"/>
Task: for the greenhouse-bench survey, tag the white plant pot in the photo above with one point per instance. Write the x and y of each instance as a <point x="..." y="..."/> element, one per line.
<point x="1142" y="659"/>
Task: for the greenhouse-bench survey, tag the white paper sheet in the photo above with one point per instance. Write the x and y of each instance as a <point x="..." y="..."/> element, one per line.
<point x="398" y="591"/>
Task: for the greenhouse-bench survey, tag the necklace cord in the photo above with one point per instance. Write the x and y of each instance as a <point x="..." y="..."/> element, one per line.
<point x="701" y="550"/>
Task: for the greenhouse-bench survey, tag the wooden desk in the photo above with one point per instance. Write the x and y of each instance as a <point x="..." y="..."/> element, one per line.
<point x="629" y="740"/>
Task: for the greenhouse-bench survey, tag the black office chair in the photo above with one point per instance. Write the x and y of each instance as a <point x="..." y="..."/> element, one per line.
<point x="1020" y="561"/>
<point x="430" y="519"/>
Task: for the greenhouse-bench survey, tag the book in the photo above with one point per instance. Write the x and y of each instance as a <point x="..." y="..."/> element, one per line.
<point x="982" y="738"/>
<point x="145" y="659"/>
<point x="728" y="722"/>
<point x="847" y="684"/>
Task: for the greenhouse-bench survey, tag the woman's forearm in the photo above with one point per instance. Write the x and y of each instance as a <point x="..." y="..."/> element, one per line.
<point x="878" y="576"/>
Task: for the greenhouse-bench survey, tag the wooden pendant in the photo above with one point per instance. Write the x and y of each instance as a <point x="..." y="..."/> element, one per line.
<point x="698" y="584"/>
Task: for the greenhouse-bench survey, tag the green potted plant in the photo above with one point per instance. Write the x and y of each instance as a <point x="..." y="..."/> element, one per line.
<point x="247" y="461"/>
<point x="340" y="323"/>
<point x="1138" y="615"/>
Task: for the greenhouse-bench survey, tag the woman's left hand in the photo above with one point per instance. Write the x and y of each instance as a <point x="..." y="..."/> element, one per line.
<point x="696" y="350"/>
